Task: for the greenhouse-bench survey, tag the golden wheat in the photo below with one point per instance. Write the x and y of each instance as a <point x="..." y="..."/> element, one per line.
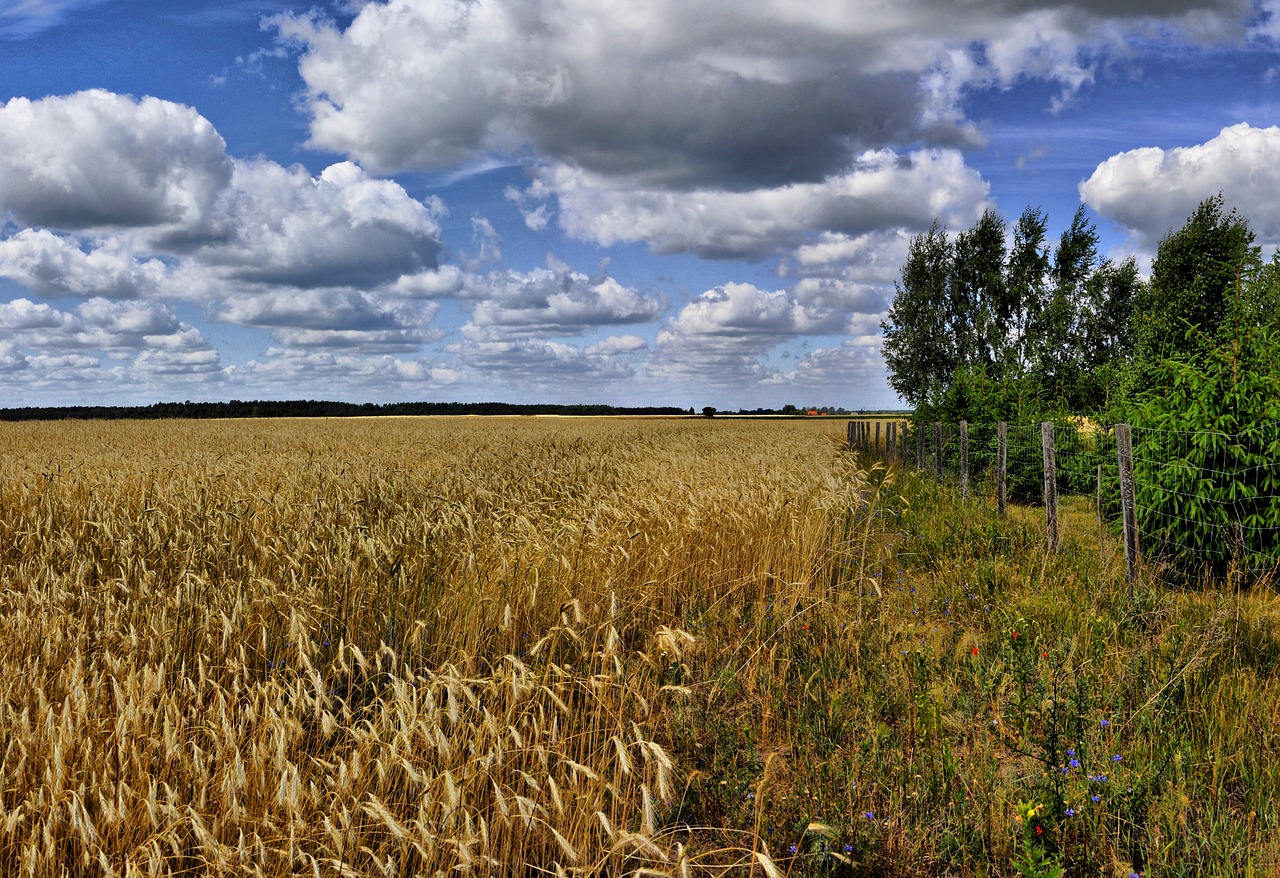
<point x="377" y="647"/>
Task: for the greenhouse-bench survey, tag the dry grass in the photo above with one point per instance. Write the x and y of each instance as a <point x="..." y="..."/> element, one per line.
<point x="378" y="648"/>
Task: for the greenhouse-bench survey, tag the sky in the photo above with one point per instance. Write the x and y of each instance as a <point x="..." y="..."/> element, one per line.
<point x="667" y="202"/>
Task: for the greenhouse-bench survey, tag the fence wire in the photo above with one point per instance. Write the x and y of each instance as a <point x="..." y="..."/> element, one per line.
<point x="1202" y="499"/>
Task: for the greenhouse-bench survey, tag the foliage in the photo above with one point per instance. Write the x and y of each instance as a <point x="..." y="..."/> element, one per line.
<point x="1055" y="328"/>
<point x="1194" y="277"/>
<point x="919" y="346"/>
<point x="1208" y="479"/>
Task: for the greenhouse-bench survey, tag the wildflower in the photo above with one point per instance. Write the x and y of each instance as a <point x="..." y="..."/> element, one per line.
<point x="1095" y="798"/>
<point x="1104" y="723"/>
<point x="1044" y="654"/>
<point x="1070" y="812"/>
<point x="1015" y="635"/>
<point x="848" y="849"/>
<point x="791" y="849"/>
<point x="1116" y="758"/>
<point x="1071" y="752"/>
<point x="871" y="815"/>
<point x="1074" y="763"/>
<point x="975" y="650"/>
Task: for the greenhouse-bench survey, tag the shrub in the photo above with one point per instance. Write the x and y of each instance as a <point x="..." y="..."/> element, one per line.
<point x="1207" y="442"/>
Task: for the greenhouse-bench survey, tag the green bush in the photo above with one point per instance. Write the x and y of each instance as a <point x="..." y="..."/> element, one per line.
<point x="1207" y="455"/>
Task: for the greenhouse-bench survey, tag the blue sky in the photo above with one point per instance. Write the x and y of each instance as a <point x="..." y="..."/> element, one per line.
<point x="667" y="203"/>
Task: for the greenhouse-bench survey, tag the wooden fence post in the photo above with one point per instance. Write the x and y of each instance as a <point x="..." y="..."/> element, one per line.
<point x="937" y="450"/>
<point x="1124" y="456"/>
<point x="1050" y="486"/>
<point x="1098" y="508"/>
<point x="1002" y="461"/>
<point x="876" y="447"/>
<point x="848" y="435"/>
<point x="964" y="458"/>
<point x="902" y="439"/>
<point x="890" y="440"/>
<point x="919" y="446"/>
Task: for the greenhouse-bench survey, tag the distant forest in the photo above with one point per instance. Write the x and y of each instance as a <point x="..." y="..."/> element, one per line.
<point x="314" y="409"/>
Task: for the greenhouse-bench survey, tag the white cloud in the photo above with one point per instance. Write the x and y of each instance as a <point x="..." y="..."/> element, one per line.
<point x="615" y="345"/>
<point x="1152" y="191"/>
<point x="98" y="160"/>
<point x="56" y="265"/>
<point x="881" y="189"/>
<point x="142" y="339"/>
<point x="715" y="94"/>
<point x="146" y="202"/>
<point x="724" y="336"/>
<point x="342" y="228"/>
<point x="341" y="374"/>
<point x="333" y="319"/>
<point x="553" y="301"/>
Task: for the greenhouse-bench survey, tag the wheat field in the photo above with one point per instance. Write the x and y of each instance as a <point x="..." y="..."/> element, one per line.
<point x="386" y="647"/>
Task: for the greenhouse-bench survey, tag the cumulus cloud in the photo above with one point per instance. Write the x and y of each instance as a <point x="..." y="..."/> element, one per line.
<point x="881" y="189"/>
<point x="341" y="374"/>
<point x="333" y="319"/>
<point x="57" y="265"/>
<point x="129" y="197"/>
<point x="538" y="366"/>
<point x="723" y="335"/>
<point x="669" y="94"/>
<point x="553" y="301"/>
<point x="342" y="228"/>
<point x="98" y="160"/>
<point x="1152" y="190"/>
<point x="115" y="345"/>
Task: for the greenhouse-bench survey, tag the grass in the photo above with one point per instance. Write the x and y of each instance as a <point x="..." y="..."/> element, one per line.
<point x="597" y="647"/>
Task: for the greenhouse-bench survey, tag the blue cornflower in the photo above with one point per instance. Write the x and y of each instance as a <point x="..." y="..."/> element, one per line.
<point x="1104" y="723"/>
<point x="1074" y="763"/>
<point x="1071" y="752"/>
<point x="1096" y="798"/>
<point x="1070" y="812"/>
<point x="871" y="815"/>
<point x="848" y="849"/>
<point x="791" y="849"/>
<point x="1116" y="758"/>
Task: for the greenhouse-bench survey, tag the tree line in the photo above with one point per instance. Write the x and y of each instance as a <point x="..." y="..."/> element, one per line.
<point x="993" y="324"/>
<point x="309" y="408"/>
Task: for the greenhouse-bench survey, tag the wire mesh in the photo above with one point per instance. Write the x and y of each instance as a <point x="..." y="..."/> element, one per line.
<point x="1203" y="499"/>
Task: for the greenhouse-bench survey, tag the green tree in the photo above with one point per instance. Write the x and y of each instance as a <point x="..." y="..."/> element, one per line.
<point x="919" y="347"/>
<point x="977" y="291"/>
<point x="1027" y="271"/>
<point x="1193" y="277"/>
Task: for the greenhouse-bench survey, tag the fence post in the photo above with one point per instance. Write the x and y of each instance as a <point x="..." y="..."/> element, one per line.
<point x="937" y="450"/>
<point x="877" y="446"/>
<point x="902" y="440"/>
<point x="848" y="435"/>
<point x="890" y="440"/>
<point x="964" y="458"/>
<point x="1002" y="461"/>
<point x="919" y="446"/>
<point x="1098" y="508"/>
<point x="1050" y="486"/>
<point x="1124" y="455"/>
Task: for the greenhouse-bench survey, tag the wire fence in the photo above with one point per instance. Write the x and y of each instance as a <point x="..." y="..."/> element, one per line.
<point x="1196" y="500"/>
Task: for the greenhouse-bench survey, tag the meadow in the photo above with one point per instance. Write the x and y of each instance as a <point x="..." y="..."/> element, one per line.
<point x="597" y="647"/>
